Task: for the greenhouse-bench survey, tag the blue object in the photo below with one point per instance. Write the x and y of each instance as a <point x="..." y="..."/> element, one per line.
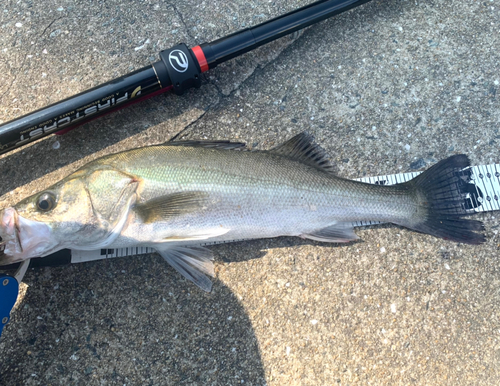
<point x="9" y="289"/>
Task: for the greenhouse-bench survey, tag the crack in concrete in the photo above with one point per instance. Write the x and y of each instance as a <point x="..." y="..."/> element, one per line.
<point x="15" y="76"/>
<point x="259" y="69"/>
<point x="219" y="90"/>
<point x="50" y="25"/>
<point x="179" y="14"/>
<point x="26" y="57"/>
<point x="180" y="133"/>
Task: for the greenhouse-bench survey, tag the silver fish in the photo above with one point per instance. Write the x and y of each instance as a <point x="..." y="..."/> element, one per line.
<point x="177" y="196"/>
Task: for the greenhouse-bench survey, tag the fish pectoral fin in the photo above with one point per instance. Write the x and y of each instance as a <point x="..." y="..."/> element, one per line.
<point x="303" y="149"/>
<point x="337" y="233"/>
<point x="193" y="263"/>
<point x="166" y="207"/>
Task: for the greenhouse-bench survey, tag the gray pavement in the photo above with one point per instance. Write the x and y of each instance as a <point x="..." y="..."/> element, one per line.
<point x="382" y="87"/>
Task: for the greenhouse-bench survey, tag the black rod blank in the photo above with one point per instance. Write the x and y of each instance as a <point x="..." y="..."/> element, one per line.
<point x="179" y="69"/>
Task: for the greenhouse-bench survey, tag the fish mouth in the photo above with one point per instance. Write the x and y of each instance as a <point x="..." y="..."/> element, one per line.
<point x="21" y="238"/>
<point x="9" y="236"/>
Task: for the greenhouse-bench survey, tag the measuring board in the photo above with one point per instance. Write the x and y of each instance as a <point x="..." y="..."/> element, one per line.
<point x="483" y="195"/>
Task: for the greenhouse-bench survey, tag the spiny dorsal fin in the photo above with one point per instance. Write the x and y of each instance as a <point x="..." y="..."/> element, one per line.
<point x="302" y="148"/>
<point x="224" y="145"/>
<point x="165" y="207"/>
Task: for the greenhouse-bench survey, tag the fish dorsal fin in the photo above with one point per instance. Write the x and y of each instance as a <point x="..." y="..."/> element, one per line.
<point x="194" y="263"/>
<point x="172" y="205"/>
<point x="223" y="145"/>
<point x="302" y="148"/>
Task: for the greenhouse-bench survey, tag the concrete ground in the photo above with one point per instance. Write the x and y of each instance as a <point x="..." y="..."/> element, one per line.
<point x="381" y="87"/>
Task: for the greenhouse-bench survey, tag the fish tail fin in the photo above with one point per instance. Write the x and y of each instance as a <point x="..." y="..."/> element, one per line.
<point x="441" y="202"/>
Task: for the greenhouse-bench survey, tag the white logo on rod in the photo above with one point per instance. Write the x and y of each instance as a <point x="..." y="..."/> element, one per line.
<point x="178" y="60"/>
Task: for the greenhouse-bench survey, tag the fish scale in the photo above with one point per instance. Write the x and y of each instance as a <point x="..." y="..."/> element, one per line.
<point x="245" y="185"/>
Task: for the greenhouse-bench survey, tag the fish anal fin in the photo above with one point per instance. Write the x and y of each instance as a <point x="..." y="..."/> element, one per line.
<point x="172" y="205"/>
<point x="302" y="148"/>
<point x="193" y="263"/>
<point x="337" y="233"/>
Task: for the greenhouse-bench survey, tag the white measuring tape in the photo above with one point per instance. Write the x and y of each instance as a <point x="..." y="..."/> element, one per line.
<point x="483" y="196"/>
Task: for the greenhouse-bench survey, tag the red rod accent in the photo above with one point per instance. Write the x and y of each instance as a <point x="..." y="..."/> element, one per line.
<point x="200" y="56"/>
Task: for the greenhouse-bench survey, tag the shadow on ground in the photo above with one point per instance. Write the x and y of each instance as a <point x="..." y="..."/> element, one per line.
<point x="137" y="314"/>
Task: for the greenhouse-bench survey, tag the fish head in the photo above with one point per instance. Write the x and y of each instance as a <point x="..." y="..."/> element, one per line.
<point x="86" y="210"/>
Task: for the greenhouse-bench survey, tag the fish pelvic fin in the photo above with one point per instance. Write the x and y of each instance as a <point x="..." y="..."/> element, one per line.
<point x="337" y="233"/>
<point x="440" y="194"/>
<point x="194" y="263"/>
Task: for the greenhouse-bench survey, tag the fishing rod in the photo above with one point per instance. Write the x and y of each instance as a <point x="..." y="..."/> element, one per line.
<point x="178" y="69"/>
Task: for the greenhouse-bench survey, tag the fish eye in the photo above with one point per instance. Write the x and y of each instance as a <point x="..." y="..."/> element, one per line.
<point x="46" y="202"/>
